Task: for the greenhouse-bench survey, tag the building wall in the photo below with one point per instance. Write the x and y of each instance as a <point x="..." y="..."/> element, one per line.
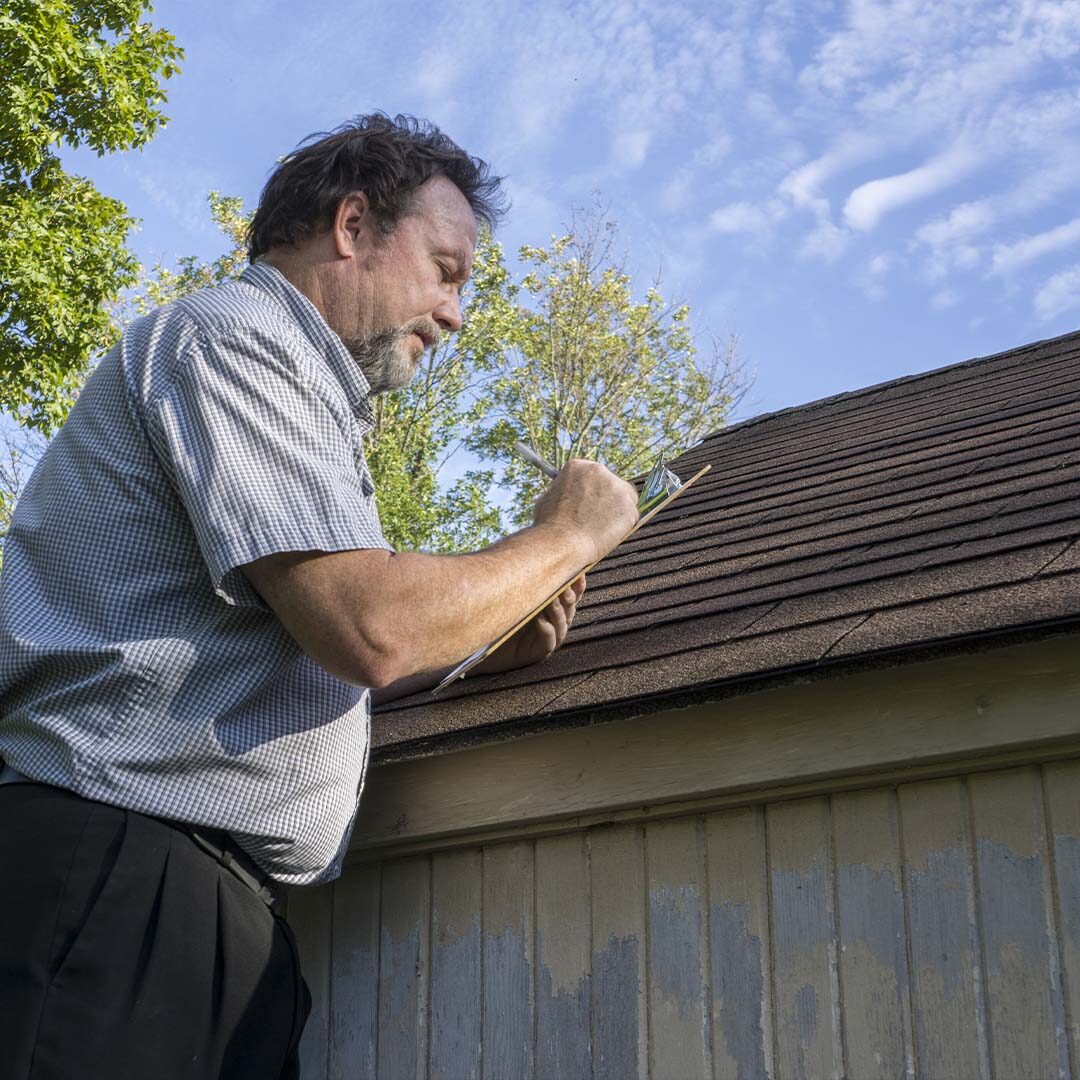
<point x="871" y="876"/>
<point x="923" y="929"/>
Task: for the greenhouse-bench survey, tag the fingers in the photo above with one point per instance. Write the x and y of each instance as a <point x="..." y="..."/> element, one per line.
<point x="578" y="586"/>
<point x="559" y="617"/>
<point x="554" y="621"/>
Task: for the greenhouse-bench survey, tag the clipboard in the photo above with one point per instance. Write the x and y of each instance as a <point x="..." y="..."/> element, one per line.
<point x="483" y="653"/>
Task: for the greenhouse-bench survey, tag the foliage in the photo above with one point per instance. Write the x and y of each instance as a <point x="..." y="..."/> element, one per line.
<point x="164" y="284"/>
<point x="76" y="73"/>
<point x="579" y="368"/>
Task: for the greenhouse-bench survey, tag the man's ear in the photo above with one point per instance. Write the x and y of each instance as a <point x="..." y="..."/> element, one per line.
<point x="352" y="222"/>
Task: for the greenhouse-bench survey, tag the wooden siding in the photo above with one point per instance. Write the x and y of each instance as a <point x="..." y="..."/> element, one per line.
<point x="925" y="929"/>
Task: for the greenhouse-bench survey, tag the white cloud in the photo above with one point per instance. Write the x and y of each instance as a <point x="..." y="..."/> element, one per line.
<point x="1059" y="294"/>
<point x="764" y="103"/>
<point x="741" y="217"/>
<point x="826" y="242"/>
<point x="870" y="202"/>
<point x="629" y="148"/>
<point x="943" y="298"/>
<point x="1009" y="257"/>
<point x="803" y="186"/>
<point x="948" y="252"/>
<point x="963" y="222"/>
<point x="678" y="193"/>
<point x="872" y="280"/>
<point x="713" y="150"/>
<point x="880" y="265"/>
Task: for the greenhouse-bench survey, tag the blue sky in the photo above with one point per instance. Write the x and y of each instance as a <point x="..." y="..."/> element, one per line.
<point x="858" y="190"/>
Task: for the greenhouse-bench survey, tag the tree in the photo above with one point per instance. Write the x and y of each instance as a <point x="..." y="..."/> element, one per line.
<point x="76" y="73"/>
<point x="163" y="284"/>
<point x="579" y="368"/>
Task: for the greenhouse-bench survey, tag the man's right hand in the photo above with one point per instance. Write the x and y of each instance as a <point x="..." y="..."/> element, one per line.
<point x="588" y="498"/>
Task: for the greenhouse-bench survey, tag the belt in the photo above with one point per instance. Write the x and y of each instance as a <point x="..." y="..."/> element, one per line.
<point x="228" y="853"/>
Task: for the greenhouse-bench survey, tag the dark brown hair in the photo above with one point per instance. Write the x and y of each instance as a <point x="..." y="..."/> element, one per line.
<point x="387" y="159"/>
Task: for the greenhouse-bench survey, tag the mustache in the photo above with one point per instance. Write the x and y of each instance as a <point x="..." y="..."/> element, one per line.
<point x="427" y="329"/>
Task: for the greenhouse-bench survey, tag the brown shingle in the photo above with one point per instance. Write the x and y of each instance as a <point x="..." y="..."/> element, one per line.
<point x="918" y="513"/>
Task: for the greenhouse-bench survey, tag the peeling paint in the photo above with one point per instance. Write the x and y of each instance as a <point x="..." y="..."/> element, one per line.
<point x="806" y="1013"/>
<point x="355" y="996"/>
<point x="804" y="966"/>
<point x="801" y="896"/>
<point x="1010" y="885"/>
<point x="507" y="1003"/>
<point x="1026" y="1008"/>
<point x="563" y="1049"/>
<point x="616" y="990"/>
<point x="455" y="1002"/>
<point x="948" y="1023"/>
<point x="675" y="920"/>
<point x="399" y="1018"/>
<point x="871" y="907"/>
<point x="939" y="920"/>
<point x="738" y="967"/>
<point x="1067" y="861"/>
<point x="561" y="956"/>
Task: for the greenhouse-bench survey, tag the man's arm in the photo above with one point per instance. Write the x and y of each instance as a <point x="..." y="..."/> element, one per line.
<point x="374" y="617"/>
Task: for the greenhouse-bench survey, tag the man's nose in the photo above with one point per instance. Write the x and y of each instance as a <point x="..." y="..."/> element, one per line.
<point x="448" y="313"/>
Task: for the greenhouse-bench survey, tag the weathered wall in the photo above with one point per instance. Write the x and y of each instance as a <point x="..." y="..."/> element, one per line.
<point x="912" y="929"/>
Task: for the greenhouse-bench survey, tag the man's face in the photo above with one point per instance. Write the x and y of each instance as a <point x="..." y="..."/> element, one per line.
<point x="409" y="285"/>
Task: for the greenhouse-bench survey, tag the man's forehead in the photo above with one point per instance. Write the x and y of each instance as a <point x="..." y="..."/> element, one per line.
<point x="441" y="202"/>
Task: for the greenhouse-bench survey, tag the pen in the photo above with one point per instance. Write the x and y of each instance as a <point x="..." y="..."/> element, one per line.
<point x="533" y="458"/>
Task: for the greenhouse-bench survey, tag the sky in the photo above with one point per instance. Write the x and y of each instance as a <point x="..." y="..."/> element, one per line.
<point x="858" y="191"/>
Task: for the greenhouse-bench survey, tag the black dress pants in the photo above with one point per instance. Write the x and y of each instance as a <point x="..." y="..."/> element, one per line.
<point x="128" y="953"/>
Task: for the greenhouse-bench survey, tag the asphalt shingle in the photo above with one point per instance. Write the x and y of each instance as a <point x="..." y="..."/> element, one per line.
<point x="920" y="512"/>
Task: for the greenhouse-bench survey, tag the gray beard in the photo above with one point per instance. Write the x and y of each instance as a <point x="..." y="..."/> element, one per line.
<point x="383" y="359"/>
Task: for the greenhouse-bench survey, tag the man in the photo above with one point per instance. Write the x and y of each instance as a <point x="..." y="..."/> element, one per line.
<point x="197" y="599"/>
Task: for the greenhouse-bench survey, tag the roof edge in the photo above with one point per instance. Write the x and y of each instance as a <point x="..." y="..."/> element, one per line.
<point x="708" y="692"/>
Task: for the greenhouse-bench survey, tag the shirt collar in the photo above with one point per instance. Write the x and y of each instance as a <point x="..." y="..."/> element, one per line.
<point x="357" y="389"/>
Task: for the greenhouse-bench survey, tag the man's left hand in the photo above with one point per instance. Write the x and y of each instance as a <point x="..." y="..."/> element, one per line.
<point x="537" y="639"/>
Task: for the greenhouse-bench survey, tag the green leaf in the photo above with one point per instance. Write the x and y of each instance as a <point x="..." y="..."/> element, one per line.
<point x="80" y="73"/>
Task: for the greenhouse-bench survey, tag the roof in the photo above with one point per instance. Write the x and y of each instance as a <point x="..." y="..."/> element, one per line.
<point x="922" y="512"/>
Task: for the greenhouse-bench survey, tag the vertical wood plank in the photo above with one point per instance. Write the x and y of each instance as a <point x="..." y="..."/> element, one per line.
<point x="875" y="993"/>
<point x="354" y="973"/>
<point x="619" y="1002"/>
<point x="563" y="1050"/>
<point x="803" y="940"/>
<point x="1023" y="992"/>
<point x="403" y="968"/>
<point x="456" y="905"/>
<point x="679" y="1030"/>
<point x="508" y="938"/>
<point x="310" y="909"/>
<point x="739" y="945"/>
<point x="1062" y="786"/>
<point x="947" y="1011"/>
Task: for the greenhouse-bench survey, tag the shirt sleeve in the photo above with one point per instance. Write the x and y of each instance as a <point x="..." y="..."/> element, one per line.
<point x="264" y="456"/>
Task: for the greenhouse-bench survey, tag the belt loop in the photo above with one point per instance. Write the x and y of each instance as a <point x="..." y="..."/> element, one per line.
<point x="260" y="883"/>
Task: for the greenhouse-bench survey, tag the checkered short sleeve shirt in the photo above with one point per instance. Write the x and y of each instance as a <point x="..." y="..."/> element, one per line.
<point x="137" y="664"/>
